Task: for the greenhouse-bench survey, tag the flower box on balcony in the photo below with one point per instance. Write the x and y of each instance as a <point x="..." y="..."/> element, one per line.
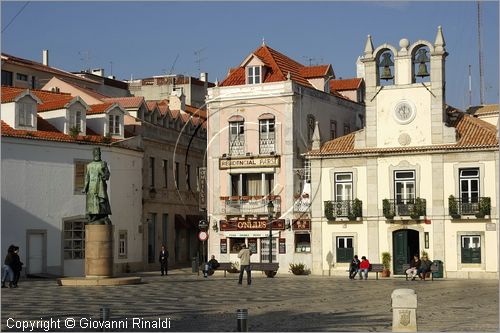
<point x="258" y="197"/>
<point x="234" y="198"/>
<point x="246" y="198"/>
<point x="224" y="198"/>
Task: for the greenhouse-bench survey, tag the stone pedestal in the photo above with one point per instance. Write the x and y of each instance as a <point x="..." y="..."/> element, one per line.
<point x="98" y="251"/>
<point x="404" y="310"/>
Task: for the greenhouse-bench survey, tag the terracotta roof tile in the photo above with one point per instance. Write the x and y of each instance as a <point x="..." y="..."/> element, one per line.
<point x="483" y="109"/>
<point x="345" y="84"/>
<point x="472" y="133"/>
<point x="99" y="108"/>
<point x="54" y="104"/>
<point x="315" y="71"/>
<point x="44" y="95"/>
<point x="151" y="105"/>
<point x="196" y="111"/>
<point x="126" y="102"/>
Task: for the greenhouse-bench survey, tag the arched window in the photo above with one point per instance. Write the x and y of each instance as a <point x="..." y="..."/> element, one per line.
<point x="236" y="135"/>
<point x="420" y="59"/>
<point x="267" y="133"/>
<point x="385" y="68"/>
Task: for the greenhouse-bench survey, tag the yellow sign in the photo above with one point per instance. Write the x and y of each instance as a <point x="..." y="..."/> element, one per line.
<point x="249" y="162"/>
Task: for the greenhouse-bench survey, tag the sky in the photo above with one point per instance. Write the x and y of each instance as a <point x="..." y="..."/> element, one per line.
<point x="137" y="39"/>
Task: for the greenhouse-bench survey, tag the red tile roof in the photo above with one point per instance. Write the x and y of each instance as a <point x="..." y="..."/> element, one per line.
<point x="345" y="84"/>
<point x="54" y="104"/>
<point x="126" y="102"/>
<point x="10" y="93"/>
<point x="99" y="108"/>
<point x="277" y="68"/>
<point x="315" y="71"/>
<point x="163" y="107"/>
<point x="196" y="111"/>
<point x="471" y="133"/>
<point x="151" y="105"/>
<point x="481" y="110"/>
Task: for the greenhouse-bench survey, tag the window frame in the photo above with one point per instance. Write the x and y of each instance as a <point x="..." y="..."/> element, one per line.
<point x="343" y="182"/>
<point x="252" y="76"/>
<point x="333" y="129"/>
<point x="405" y="182"/>
<point x="151" y="172"/>
<point x="21" y="77"/>
<point x="475" y="258"/>
<point x="114" y="124"/>
<point x="25" y="114"/>
<point x="77" y="236"/>
<point x="78" y="176"/>
<point x="469" y="180"/>
<point x="303" y="248"/>
<point x="348" y="255"/>
<point x="122" y="244"/>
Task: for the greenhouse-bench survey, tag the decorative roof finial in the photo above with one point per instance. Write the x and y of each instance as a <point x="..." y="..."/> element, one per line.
<point x="369" y="47"/>
<point x="316" y="137"/>
<point x="289" y="76"/>
<point x="263" y="41"/>
<point x="439" y="44"/>
<point x="216" y="82"/>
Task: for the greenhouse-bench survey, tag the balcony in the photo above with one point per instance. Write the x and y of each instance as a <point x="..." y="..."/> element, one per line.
<point x="267" y="145"/>
<point x="351" y="209"/>
<point x="249" y="205"/>
<point x="477" y="206"/>
<point x="302" y="204"/>
<point x="237" y="146"/>
<point x="414" y="208"/>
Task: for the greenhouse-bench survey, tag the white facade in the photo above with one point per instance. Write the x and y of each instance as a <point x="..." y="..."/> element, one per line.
<point x="39" y="196"/>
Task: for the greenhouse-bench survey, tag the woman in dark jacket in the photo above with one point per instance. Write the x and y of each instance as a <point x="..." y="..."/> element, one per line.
<point x="17" y="266"/>
<point x="8" y="272"/>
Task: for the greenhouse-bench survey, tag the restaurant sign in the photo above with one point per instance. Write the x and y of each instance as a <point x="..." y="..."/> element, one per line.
<point x="226" y="225"/>
<point x="301" y="225"/>
<point x="249" y="162"/>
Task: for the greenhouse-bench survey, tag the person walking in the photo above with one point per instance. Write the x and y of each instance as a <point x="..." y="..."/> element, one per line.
<point x="244" y="256"/>
<point x="16" y="266"/>
<point x="414" y="267"/>
<point x="163" y="260"/>
<point x="353" y="267"/>
<point x="7" y="272"/>
<point x="364" y="266"/>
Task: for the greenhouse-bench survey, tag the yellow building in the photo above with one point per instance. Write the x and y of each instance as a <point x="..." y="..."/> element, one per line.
<point x="420" y="176"/>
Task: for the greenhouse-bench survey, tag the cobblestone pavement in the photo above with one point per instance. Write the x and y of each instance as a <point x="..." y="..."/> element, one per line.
<point x="285" y="303"/>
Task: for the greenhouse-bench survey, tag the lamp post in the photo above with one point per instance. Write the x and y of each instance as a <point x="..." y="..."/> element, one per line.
<point x="270" y="212"/>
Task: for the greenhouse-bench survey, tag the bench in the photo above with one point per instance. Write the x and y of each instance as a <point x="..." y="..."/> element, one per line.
<point x="434" y="269"/>
<point x="377" y="268"/>
<point x="270" y="269"/>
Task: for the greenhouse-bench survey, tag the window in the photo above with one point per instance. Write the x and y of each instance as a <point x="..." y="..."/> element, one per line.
<point x="310" y="126"/>
<point x="176" y="171"/>
<point x="79" y="176"/>
<point x="76" y="120"/>
<point x="345" y="249"/>
<point x="122" y="244"/>
<point x="254" y="74"/>
<point x="25" y="114"/>
<point x="404" y="183"/>
<point x="152" y="172"/>
<point x="7" y="78"/>
<point x="252" y="184"/>
<point x="347" y="129"/>
<point x="33" y="82"/>
<point x="114" y="124"/>
<point x="471" y="249"/>
<point x="302" y="243"/>
<point x="469" y="185"/>
<point x="235" y="244"/>
<point x="266" y="133"/>
<point x="333" y="129"/>
<point x="151" y="237"/>
<point x="236" y="138"/>
<point x="74" y="239"/>
<point x="188" y="176"/>
<point x="165" y="173"/>
<point x="307" y="171"/>
<point x="21" y="77"/>
<point x="164" y="229"/>
<point x="264" y="249"/>
<point x="343" y="186"/>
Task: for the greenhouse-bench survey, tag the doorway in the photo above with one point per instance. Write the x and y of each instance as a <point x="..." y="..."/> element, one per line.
<point x="36" y="252"/>
<point x="405" y="244"/>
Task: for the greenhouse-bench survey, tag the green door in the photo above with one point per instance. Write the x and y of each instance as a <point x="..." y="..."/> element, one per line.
<point x="400" y="250"/>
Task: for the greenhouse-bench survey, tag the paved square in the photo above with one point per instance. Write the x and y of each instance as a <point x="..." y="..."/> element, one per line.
<point x="285" y="303"/>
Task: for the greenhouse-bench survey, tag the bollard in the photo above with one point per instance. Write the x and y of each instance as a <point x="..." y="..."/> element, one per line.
<point x="242" y="320"/>
<point x="404" y="310"/>
<point x="105" y="312"/>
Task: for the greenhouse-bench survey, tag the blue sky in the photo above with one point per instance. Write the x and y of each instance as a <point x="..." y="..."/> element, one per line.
<point x="142" y="39"/>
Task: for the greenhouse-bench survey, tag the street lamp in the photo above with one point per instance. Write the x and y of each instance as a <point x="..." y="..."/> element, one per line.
<point x="270" y="212"/>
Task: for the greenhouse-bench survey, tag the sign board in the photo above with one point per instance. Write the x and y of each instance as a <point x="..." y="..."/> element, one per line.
<point x="303" y="224"/>
<point x="203" y="236"/>
<point x="223" y="246"/>
<point x="252" y="245"/>
<point x="282" y="246"/>
<point x="202" y="176"/>
<point x="249" y="162"/>
<point x="203" y="224"/>
<point x="251" y="225"/>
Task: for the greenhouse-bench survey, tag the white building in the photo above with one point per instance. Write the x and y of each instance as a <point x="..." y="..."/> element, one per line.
<point x="420" y="176"/>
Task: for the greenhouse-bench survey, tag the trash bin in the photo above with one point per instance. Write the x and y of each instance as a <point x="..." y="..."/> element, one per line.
<point x="440" y="272"/>
<point x="195" y="265"/>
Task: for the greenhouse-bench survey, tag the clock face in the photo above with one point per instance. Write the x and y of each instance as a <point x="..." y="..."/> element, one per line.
<point x="404" y="112"/>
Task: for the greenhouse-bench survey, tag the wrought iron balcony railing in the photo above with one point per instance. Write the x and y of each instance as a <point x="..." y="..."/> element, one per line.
<point x="245" y="205"/>
<point x="266" y="145"/>
<point x="351" y="209"/>
<point x="302" y="204"/>
<point x="408" y="207"/>
<point x="478" y="206"/>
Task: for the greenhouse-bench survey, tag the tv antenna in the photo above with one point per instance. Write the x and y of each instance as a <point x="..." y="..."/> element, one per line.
<point x="85" y="58"/>
<point x="199" y="59"/>
<point x="310" y="60"/>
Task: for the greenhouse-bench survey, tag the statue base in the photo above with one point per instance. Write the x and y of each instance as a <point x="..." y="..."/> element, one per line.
<point x="88" y="281"/>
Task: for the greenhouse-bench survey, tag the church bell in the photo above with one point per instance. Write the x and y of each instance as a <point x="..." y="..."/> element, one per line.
<point x="422" y="59"/>
<point x="386" y="63"/>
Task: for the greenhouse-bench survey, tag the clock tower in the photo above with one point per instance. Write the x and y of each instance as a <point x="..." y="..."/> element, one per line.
<point x="405" y="95"/>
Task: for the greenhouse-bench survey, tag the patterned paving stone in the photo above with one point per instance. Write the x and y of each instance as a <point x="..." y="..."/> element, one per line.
<point x="188" y="302"/>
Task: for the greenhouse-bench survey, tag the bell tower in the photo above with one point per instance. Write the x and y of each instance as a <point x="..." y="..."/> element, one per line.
<point x="405" y="100"/>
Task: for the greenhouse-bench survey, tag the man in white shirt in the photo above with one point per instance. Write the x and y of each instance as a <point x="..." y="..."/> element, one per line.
<point x="244" y="256"/>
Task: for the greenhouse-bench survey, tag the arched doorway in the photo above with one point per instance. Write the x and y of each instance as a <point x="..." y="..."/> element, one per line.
<point x="405" y="244"/>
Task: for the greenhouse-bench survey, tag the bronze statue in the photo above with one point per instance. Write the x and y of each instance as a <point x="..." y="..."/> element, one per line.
<point x="97" y="208"/>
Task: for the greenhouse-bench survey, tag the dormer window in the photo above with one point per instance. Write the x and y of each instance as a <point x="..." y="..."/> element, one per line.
<point x="114" y="124"/>
<point x="76" y="120"/>
<point x="26" y="114"/>
<point x="254" y="74"/>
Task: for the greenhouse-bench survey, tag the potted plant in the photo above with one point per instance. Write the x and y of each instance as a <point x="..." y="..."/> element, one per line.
<point x="298" y="269"/>
<point x="73" y="131"/>
<point x="386" y="262"/>
<point x="387" y="209"/>
<point x="329" y="211"/>
<point x="419" y="209"/>
<point x="453" y="207"/>
<point x="355" y="210"/>
<point x="484" y="207"/>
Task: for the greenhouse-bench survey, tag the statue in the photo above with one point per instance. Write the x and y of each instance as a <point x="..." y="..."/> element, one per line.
<point x="97" y="208"/>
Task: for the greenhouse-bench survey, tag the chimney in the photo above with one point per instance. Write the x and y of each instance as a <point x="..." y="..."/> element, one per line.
<point x="177" y="100"/>
<point x="98" y="71"/>
<point x="204" y="77"/>
<point x="46" y="57"/>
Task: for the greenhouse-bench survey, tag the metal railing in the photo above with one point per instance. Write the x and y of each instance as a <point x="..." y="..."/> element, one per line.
<point x="351" y="209"/>
<point x="249" y="205"/>
<point x="469" y="206"/>
<point x="408" y="207"/>
<point x="267" y="145"/>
